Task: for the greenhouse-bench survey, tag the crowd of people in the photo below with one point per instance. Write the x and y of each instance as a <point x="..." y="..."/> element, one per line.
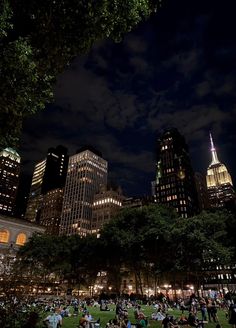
<point x="194" y="312"/>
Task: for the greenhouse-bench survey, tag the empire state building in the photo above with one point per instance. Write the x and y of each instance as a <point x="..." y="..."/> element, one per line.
<point x="219" y="183"/>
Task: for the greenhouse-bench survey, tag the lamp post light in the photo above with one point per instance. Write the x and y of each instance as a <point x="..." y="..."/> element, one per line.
<point x="130" y="288"/>
<point x="166" y="288"/>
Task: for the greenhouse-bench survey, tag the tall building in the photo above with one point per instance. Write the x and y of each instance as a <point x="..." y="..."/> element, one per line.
<point x="87" y="172"/>
<point x="35" y="197"/>
<point x="202" y="193"/>
<point x="219" y="182"/>
<point x="51" y="211"/>
<point x="175" y="185"/>
<point x="49" y="174"/>
<point x="55" y="169"/>
<point x="106" y="204"/>
<point x="9" y="180"/>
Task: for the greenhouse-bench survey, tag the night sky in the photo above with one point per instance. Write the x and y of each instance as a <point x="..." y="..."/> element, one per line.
<point x="176" y="69"/>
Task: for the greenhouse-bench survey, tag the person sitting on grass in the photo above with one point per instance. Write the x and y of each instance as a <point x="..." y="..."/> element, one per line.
<point x="32" y="320"/>
<point x="114" y="323"/>
<point x="173" y="323"/>
<point x="83" y="321"/>
<point x="183" y="320"/>
<point x="137" y="311"/>
<point x="158" y="315"/>
<point x="127" y="323"/>
<point x="76" y="310"/>
<point x="192" y="320"/>
<point x="142" y="321"/>
<point x="165" y="321"/>
<point x="88" y="316"/>
<point x="54" y="320"/>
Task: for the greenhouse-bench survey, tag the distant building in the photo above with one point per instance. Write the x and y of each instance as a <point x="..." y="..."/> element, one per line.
<point x="136" y="202"/>
<point x="9" y="180"/>
<point x="49" y="174"/>
<point x="87" y="172"/>
<point x="106" y="204"/>
<point x="51" y="211"/>
<point x="175" y="184"/>
<point x="219" y="183"/>
<point x="202" y="193"/>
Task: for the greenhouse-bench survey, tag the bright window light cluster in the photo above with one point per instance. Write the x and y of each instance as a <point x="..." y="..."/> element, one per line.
<point x="107" y="200"/>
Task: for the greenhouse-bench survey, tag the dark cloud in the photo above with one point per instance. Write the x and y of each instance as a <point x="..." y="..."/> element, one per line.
<point x="177" y="69"/>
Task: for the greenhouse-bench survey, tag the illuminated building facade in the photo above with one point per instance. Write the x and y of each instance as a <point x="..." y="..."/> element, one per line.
<point x="9" y="180"/>
<point x="87" y="172"/>
<point x="35" y="197"/>
<point x="15" y="233"/>
<point x="51" y="211"/>
<point x="49" y="174"/>
<point x="219" y="182"/>
<point x="175" y="184"/>
<point x="107" y="203"/>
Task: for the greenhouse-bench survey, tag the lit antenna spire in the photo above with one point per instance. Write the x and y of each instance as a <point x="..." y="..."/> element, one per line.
<point x="213" y="152"/>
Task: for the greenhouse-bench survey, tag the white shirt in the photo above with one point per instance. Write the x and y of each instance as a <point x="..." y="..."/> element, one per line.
<point x="53" y="320"/>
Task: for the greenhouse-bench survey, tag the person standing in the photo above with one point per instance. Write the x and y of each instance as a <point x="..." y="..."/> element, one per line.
<point x="203" y="308"/>
<point x="214" y="312"/>
<point x="209" y="305"/>
<point x="232" y="315"/>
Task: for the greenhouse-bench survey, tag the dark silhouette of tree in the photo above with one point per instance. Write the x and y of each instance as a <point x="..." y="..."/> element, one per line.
<point x="38" y="39"/>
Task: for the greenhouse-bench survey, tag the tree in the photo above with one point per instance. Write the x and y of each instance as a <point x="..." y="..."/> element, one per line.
<point x="14" y="290"/>
<point x="200" y="245"/>
<point x="39" y="38"/>
<point x="70" y="259"/>
<point x="137" y="239"/>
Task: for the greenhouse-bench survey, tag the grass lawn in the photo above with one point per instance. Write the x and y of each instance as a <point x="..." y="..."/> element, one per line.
<point x="73" y="322"/>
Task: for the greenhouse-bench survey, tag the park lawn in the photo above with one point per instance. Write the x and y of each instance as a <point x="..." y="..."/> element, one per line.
<point x="105" y="316"/>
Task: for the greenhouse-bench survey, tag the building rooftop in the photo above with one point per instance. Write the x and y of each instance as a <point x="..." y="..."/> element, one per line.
<point x="10" y="152"/>
<point x="19" y="221"/>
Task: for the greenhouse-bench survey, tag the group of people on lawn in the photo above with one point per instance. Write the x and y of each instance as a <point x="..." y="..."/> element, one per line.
<point x="207" y="308"/>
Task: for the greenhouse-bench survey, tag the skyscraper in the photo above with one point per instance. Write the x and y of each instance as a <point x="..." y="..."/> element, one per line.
<point x="56" y="169"/>
<point x="107" y="203"/>
<point x="219" y="182"/>
<point x="175" y="185"/>
<point x="35" y="197"/>
<point x="9" y="180"/>
<point x="49" y="174"/>
<point x="202" y="193"/>
<point x="87" y="172"/>
<point x="50" y="215"/>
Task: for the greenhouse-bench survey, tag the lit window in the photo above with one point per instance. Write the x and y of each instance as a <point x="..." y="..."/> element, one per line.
<point x="4" y="236"/>
<point x="21" y="239"/>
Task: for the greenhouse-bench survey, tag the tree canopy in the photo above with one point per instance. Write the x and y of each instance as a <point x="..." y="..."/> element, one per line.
<point x="149" y="244"/>
<point x="38" y="39"/>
